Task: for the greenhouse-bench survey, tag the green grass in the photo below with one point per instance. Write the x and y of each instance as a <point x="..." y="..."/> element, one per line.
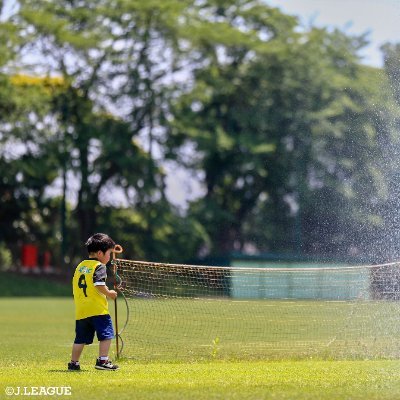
<point x="36" y="340"/>
<point x="30" y="286"/>
<point x="204" y="329"/>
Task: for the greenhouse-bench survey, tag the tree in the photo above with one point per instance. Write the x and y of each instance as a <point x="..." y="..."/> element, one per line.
<point x="25" y="169"/>
<point x="78" y="42"/>
<point x="27" y="165"/>
<point x="389" y="118"/>
<point x="222" y="115"/>
<point x="113" y="95"/>
<point x="283" y="127"/>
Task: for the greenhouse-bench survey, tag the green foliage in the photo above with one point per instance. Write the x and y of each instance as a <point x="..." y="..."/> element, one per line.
<point x="27" y="163"/>
<point x="288" y="129"/>
<point x="5" y="258"/>
<point x="8" y="40"/>
<point x="155" y="232"/>
<point x="286" y="136"/>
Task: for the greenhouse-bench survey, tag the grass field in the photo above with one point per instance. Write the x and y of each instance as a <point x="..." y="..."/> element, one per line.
<point x="13" y="284"/>
<point x="36" y="339"/>
<point x="173" y="329"/>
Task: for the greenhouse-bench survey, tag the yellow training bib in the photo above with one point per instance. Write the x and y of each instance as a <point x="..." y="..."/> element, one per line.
<point x="88" y="300"/>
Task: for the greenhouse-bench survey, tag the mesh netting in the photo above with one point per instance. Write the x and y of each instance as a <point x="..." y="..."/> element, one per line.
<point x="187" y="312"/>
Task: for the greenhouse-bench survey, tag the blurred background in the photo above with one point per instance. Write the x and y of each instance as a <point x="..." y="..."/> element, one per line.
<point x="194" y="130"/>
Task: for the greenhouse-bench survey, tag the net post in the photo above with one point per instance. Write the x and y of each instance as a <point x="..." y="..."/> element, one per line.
<point x="117" y="249"/>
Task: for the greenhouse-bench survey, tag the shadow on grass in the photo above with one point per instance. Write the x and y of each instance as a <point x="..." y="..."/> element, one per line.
<point x="68" y="372"/>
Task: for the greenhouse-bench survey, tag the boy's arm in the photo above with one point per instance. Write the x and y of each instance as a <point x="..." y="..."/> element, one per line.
<point x="99" y="281"/>
<point x="112" y="294"/>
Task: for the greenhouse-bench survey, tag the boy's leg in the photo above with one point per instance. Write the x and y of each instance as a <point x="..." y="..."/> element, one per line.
<point x="103" y="362"/>
<point x="104" y="347"/>
<point x="77" y="351"/>
<point x="84" y="334"/>
<point x="105" y="333"/>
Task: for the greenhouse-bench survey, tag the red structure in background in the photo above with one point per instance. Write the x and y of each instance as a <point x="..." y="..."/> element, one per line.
<point x="29" y="259"/>
<point x="47" y="261"/>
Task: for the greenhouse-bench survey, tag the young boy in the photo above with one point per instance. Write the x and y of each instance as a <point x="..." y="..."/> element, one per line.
<point x="91" y="306"/>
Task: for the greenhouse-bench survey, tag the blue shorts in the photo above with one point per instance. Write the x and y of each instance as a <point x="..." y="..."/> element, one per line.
<point x="85" y="329"/>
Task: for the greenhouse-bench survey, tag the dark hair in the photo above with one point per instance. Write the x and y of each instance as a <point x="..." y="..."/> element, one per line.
<point x="99" y="242"/>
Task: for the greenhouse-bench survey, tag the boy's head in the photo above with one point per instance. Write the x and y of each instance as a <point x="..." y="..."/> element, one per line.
<point x="100" y="245"/>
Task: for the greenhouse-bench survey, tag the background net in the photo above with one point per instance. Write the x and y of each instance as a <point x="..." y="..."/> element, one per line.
<point x="184" y="312"/>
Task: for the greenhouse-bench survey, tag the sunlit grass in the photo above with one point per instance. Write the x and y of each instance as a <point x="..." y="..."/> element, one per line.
<point x="203" y="329"/>
<point x="36" y="340"/>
